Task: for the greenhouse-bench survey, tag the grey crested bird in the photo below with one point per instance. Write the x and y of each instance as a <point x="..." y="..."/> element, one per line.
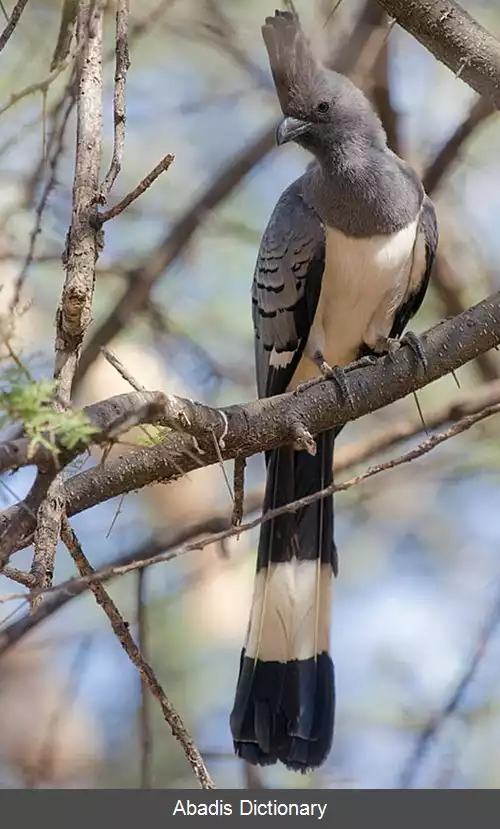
<point x="343" y="265"/>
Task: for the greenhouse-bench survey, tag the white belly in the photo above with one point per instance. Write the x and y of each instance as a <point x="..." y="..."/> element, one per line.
<point x="364" y="283"/>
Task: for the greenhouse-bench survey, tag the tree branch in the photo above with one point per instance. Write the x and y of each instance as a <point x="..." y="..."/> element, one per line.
<point x="122" y="65"/>
<point x="160" y="549"/>
<point x="480" y="111"/>
<point x="145" y="730"/>
<point x="142" y="279"/>
<point x="13" y="21"/>
<point x="454" y="38"/>
<point x="111" y="418"/>
<point x="437" y="721"/>
<point x="141" y="188"/>
<point x="265" y="424"/>
<point x="122" y="633"/>
<point x="83" y="244"/>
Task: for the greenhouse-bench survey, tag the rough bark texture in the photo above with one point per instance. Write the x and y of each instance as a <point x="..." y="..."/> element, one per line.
<point x="454" y="38"/>
<point x="260" y="425"/>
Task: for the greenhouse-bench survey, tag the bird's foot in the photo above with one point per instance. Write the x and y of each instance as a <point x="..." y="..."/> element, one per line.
<point x="362" y="362"/>
<point x="389" y="345"/>
<point x="328" y="372"/>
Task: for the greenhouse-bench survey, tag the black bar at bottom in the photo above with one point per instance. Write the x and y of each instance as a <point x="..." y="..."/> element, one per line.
<point x="342" y="808"/>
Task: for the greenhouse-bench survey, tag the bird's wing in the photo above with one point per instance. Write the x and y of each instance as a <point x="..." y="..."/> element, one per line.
<point x="286" y="288"/>
<point x="427" y="235"/>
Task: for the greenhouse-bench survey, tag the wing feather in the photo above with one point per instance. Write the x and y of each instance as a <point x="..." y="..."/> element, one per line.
<point x="285" y="290"/>
<point x="428" y="228"/>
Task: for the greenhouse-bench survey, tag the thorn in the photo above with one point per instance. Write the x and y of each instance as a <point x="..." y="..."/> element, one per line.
<point x="419" y="409"/>
<point x="457" y="381"/>
<point x="197" y="446"/>
<point x="217" y="445"/>
<point x="461" y="68"/>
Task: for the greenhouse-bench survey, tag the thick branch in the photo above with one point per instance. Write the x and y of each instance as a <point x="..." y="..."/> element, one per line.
<point x="82" y="250"/>
<point x="454" y="38"/>
<point x="75" y="309"/>
<point x="159" y="549"/>
<point x="111" y="418"/>
<point x="116" y="416"/>
<point x="266" y="424"/>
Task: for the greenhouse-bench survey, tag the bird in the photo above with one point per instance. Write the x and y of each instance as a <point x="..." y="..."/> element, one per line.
<point x="343" y="265"/>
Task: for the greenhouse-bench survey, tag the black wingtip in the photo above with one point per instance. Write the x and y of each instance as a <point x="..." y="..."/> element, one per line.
<point x="284" y="711"/>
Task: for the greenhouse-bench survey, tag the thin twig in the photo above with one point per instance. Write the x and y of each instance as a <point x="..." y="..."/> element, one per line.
<point x="436" y="722"/>
<point x="66" y="33"/>
<point x="43" y="766"/>
<point x="38" y="86"/>
<point x="122" y="65"/>
<point x="146" y="735"/>
<point x="141" y="27"/>
<point x="122" y="632"/>
<point x="140" y="561"/>
<point x="115" y="516"/>
<point x="13" y="21"/>
<point x="142" y="279"/>
<point x="54" y="117"/>
<point x="261" y="425"/>
<point x="141" y="188"/>
<point x="19" y="576"/>
<point x="221" y="464"/>
<point x="121" y="369"/>
<point x="42" y="204"/>
<point x="449" y="154"/>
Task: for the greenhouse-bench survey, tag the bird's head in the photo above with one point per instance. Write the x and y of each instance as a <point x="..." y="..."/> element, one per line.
<point x="322" y="109"/>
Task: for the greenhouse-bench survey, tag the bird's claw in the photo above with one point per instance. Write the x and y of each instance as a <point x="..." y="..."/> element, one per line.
<point x="338" y="375"/>
<point x="388" y="346"/>
<point x="415" y="343"/>
<point x="362" y="362"/>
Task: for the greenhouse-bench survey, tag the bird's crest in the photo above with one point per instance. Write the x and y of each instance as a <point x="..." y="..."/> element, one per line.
<point x="295" y="70"/>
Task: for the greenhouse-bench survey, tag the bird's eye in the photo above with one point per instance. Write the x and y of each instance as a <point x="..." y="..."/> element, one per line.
<point x="323" y="107"/>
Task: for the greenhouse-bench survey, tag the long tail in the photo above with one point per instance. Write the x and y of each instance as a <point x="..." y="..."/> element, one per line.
<point x="285" y="698"/>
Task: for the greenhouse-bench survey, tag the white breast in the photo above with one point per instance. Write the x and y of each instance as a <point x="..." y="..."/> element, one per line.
<point x="364" y="283"/>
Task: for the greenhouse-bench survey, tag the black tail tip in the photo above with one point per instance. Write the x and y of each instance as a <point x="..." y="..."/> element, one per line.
<point x="284" y="711"/>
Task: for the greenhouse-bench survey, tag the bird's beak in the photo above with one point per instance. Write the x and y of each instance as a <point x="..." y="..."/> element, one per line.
<point x="290" y="129"/>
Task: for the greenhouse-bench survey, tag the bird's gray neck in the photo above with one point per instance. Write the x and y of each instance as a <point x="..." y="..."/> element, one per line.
<point x="363" y="191"/>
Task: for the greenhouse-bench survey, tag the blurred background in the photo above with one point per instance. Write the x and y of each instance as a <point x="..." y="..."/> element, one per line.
<point x="418" y="594"/>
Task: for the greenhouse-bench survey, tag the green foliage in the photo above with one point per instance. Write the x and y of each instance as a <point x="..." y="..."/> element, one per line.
<point x="30" y="401"/>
